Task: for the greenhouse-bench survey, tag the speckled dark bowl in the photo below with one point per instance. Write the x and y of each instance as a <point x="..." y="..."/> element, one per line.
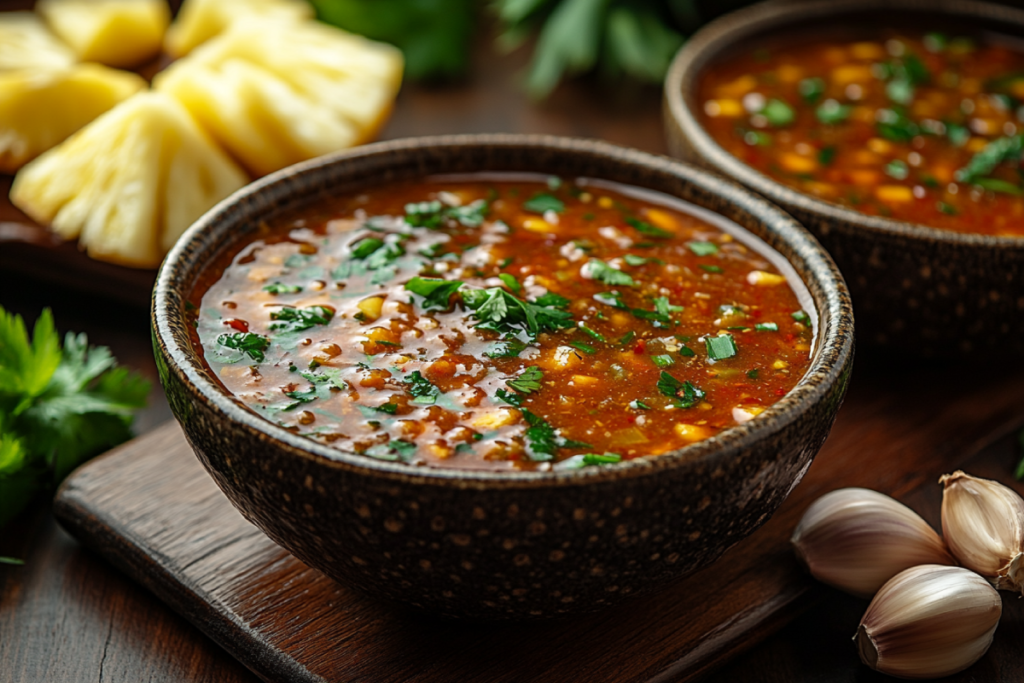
<point x="915" y="288"/>
<point x="490" y="545"/>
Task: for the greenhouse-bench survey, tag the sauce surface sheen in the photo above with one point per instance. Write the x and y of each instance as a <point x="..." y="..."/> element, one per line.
<point x="919" y="127"/>
<point x="498" y="323"/>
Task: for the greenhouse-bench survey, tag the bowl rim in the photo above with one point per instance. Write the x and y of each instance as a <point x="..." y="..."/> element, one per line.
<point x="832" y="356"/>
<point x="705" y="46"/>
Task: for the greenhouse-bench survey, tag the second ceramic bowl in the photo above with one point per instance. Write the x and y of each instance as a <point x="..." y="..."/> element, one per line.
<point x="915" y="288"/>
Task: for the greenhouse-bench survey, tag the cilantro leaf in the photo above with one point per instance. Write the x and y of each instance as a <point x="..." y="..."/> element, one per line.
<point x="435" y="291"/>
<point x="26" y="367"/>
<point x="423" y="391"/>
<point x="366" y="246"/>
<point x="1002" y="150"/>
<point x="528" y="381"/>
<point x="509" y="397"/>
<point x="588" y="460"/>
<point x="506" y="348"/>
<point x="249" y="343"/>
<point x="543" y="441"/>
<point x="280" y="288"/>
<point x="471" y="215"/>
<point x="688" y="394"/>
<point x="542" y="202"/>
<point x="599" y="270"/>
<point x="550" y="299"/>
<point x="645" y="228"/>
<point x="511" y="282"/>
<point x="721" y="347"/>
<point x="500" y="311"/>
<point x="291" y="319"/>
<point x="703" y="248"/>
<point x="424" y="214"/>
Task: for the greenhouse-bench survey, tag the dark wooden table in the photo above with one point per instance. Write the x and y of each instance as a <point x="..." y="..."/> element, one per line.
<point x="69" y="616"/>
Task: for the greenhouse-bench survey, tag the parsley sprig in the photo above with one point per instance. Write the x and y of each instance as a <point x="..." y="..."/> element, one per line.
<point x="58" y="407"/>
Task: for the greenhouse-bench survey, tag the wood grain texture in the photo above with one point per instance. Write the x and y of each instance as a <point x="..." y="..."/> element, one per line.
<point x="151" y="510"/>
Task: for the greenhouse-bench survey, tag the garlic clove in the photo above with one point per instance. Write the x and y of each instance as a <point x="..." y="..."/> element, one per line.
<point x="856" y="539"/>
<point x="983" y="522"/>
<point x="929" y="621"/>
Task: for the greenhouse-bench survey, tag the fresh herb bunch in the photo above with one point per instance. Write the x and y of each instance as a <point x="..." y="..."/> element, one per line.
<point x="58" y="407"/>
<point x="433" y="34"/>
<point x="635" y="38"/>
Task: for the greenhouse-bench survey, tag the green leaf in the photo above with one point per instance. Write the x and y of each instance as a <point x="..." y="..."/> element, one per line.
<point x="663" y="361"/>
<point x="637" y="404"/>
<point x="511" y="398"/>
<point x="543" y="441"/>
<point x="634" y="260"/>
<point x="721" y="347"/>
<point x="778" y="113"/>
<point x="601" y="271"/>
<point x="627" y="338"/>
<point x="639" y="44"/>
<point x="801" y="317"/>
<point x="585" y="348"/>
<point x="897" y="169"/>
<point x="26" y="367"/>
<point x="588" y="460"/>
<point x="423" y="391"/>
<point x="290" y="319"/>
<point x="365" y="247"/>
<point x="1001" y="150"/>
<point x="645" y="228"/>
<point x="592" y="333"/>
<point x="279" y="288"/>
<point x="10" y="560"/>
<point x="766" y="327"/>
<point x="958" y="135"/>
<point x="811" y="89"/>
<point x="703" y="248"/>
<point x="424" y="214"/>
<point x="248" y="343"/>
<point x="826" y="155"/>
<point x="900" y="91"/>
<point x="568" y="43"/>
<point x="471" y="215"/>
<point x="506" y="348"/>
<point x="435" y="291"/>
<point x="830" y="112"/>
<point x="528" y="380"/>
<point x="687" y="394"/>
<point x="543" y="202"/>
<point x="511" y="282"/>
<point x="998" y="185"/>
<point x="894" y="125"/>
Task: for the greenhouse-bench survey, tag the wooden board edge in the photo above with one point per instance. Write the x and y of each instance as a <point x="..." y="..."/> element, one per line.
<point x="128" y="555"/>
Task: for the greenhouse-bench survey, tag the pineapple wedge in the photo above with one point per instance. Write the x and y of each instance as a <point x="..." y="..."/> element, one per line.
<point x="26" y="43"/>
<point x="274" y="93"/>
<point x="200" y="20"/>
<point x="41" y="108"/>
<point x="128" y="184"/>
<point x="121" y="33"/>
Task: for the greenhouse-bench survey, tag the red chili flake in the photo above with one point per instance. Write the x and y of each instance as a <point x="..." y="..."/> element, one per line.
<point x="239" y="325"/>
<point x="639" y="348"/>
<point x="630" y="419"/>
<point x="780" y="392"/>
<point x="790" y="337"/>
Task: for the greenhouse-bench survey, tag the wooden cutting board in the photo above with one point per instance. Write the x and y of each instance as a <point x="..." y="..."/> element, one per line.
<point x="151" y="510"/>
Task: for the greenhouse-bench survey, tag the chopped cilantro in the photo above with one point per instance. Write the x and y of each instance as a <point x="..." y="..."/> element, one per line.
<point x="296" y="260"/>
<point x="435" y="291"/>
<point x="365" y="247"/>
<point x="766" y="327"/>
<point x="552" y="299"/>
<point x="830" y="112"/>
<point x="686" y="352"/>
<point x="645" y="228"/>
<point x="423" y="391"/>
<point x="542" y="202"/>
<point x="542" y="439"/>
<point x="826" y="155"/>
<point x="389" y="408"/>
<point x="510" y="282"/>
<point x="752" y="374"/>
<point x="663" y="361"/>
<point x="585" y="348"/>
<point x="601" y="271"/>
<point x="703" y="248"/>
<point x="721" y="347"/>
<point x="811" y="89"/>
<point x="588" y="460"/>
<point x="628" y="337"/>
<point x="998" y="185"/>
<point x="710" y="269"/>
<point x="894" y="125"/>
<point x="424" y="214"/>
<point x="634" y="260"/>
<point x="392" y="450"/>
<point x="505" y="262"/>
<point x="897" y="169"/>
<point x="687" y="395"/>
<point x="471" y="215"/>
<point x="506" y="348"/>
<point x="509" y="397"/>
<point x="280" y="288"/>
<point x="528" y="380"/>
<point x="958" y="134"/>
<point x="778" y="113"/>
<point x="664" y="308"/>
<point x="593" y="333"/>
<point x="637" y="404"/>
<point x="610" y="299"/>
<point x="947" y="209"/>
<point x="801" y="317"/>
<point x="252" y="345"/>
<point x="297" y="319"/>
<point x="500" y="311"/>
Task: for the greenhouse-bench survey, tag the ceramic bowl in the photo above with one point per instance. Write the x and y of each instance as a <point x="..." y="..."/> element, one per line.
<point x="493" y="545"/>
<point x="915" y="288"/>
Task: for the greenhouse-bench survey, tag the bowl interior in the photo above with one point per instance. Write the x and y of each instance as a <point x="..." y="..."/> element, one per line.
<point x="385" y="163"/>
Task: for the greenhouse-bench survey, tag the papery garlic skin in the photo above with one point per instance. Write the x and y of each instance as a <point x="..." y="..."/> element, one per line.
<point x="857" y="539"/>
<point x="983" y="522"/>
<point x="928" y="622"/>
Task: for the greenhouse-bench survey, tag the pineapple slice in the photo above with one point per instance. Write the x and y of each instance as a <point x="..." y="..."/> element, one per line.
<point x="26" y="43"/>
<point x="274" y="94"/>
<point x="200" y="20"/>
<point x="122" y="33"/>
<point x="128" y="184"/>
<point x="41" y="108"/>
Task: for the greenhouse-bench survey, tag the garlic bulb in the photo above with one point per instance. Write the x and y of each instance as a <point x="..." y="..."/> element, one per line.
<point x="983" y="522"/>
<point x="857" y="539"/>
<point x="929" y="621"/>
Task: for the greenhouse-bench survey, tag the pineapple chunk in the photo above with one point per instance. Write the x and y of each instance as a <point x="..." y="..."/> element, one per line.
<point x="121" y="33"/>
<point x="26" y="43"/>
<point x="276" y="94"/>
<point x="41" y="108"/>
<point x="200" y="20"/>
<point x="129" y="183"/>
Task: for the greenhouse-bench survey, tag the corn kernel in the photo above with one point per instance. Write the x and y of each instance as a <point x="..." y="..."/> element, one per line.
<point x="867" y="51"/>
<point x="370" y="308"/>
<point x="692" y="432"/>
<point x="728" y="108"/>
<point x="789" y="73"/>
<point x="894" y="193"/>
<point x="795" y="163"/>
<point x="495" y="418"/>
<point x="538" y="225"/>
<point x="780" y="364"/>
<point x="763" y="279"/>
<point x="662" y="219"/>
<point x="738" y="88"/>
<point x="852" y="73"/>
<point x="880" y="146"/>
<point x="605" y="202"/>
<point x="584" y="380"/>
